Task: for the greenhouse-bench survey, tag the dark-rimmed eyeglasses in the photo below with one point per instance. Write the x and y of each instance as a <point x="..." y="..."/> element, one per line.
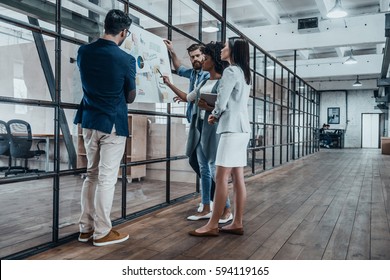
<point x="128" y="32"/>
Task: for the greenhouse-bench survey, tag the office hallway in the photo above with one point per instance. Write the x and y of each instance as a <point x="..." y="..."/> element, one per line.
<point x="334" y="204"/>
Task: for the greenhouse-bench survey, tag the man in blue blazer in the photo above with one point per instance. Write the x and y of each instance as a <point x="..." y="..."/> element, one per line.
<point x="108" y="80"/>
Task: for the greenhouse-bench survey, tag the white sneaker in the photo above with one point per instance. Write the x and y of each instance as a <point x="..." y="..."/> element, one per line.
<point x="200" y="207"/>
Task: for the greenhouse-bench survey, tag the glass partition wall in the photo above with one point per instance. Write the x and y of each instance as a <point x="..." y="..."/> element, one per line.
<point x="40" y="85"/>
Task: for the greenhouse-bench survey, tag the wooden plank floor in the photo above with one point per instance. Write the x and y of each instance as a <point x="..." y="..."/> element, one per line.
<point x="334" y="204"/>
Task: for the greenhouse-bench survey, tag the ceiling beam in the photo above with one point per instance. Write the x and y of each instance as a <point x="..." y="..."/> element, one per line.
<point x="303" y="54"/>
<point x="46" y="10"/>
<point x="326" y="67"/>
<point x="359" y="30"/>
<point x="340" y="51"/>
<point x="267" y="11"/>
<point x="323" y="6"/>
<point x="91" y="7"/>
<point x="380" y="48"/>
<point x="368" y="84"/>
<point x="384" y="5"/>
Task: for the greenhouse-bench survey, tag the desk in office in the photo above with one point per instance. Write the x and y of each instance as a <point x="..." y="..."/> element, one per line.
<point x="337" y="136"/>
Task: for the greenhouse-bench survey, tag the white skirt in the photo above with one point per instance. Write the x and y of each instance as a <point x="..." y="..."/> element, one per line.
<point x="232" y="149"/>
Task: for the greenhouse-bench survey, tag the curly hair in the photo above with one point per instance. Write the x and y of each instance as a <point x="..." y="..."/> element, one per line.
<point x="213" y="49"/>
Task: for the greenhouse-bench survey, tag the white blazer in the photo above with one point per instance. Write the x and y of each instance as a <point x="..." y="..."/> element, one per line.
<point x="231" y="107"/>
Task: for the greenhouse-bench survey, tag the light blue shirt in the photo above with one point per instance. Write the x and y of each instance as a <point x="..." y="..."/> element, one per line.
<point x="193" y="76"/>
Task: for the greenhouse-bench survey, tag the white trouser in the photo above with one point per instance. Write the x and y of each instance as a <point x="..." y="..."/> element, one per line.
<point x="104" y="154"/>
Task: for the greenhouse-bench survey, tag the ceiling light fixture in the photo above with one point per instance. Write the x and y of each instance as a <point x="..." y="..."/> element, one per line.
<point x="351" y="59"/>
<point x="210" y="28"/>
<point x="357" y="83"/>
<point x="270" y="67"/>
<point x="337" y="11"/>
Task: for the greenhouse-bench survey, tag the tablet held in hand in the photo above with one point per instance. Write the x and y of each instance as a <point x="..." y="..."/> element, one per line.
<point x="210" y="98"/>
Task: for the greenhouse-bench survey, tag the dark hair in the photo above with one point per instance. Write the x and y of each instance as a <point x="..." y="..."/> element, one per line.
<point x="213" y="49"/>
<point x="195" y="47"/>
<point x="239" y="55"/>
<point x="116" y="21"/>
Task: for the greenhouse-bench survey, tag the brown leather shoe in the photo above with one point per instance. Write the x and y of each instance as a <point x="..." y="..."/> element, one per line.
<point x="212" y="232"/>
<point x="85" y="236"/>
<point x="236" y="231"/>
<point x="112" y="237"/>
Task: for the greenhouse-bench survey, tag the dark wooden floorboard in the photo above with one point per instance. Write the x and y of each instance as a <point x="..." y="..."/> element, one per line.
<point x="333" y="205"/>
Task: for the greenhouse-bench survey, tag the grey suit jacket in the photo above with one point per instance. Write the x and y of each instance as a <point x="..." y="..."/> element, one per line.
<point x="231" y="107"/>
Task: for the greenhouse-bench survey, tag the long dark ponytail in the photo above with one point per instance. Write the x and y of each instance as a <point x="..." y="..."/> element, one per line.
<point x="239" y="55"/>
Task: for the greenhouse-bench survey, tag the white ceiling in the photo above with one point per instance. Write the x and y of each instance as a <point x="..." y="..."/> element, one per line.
<point x="273" y="25"/>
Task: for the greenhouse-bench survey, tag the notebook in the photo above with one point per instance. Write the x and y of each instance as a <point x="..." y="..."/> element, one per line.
<point x="210" y="98"/>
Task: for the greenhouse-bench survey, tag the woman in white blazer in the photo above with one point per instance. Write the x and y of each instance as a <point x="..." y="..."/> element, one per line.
<point x="231" y="112"/>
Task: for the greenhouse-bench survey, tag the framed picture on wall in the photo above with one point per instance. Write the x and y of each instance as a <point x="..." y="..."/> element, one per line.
<point x="333" y="115"/>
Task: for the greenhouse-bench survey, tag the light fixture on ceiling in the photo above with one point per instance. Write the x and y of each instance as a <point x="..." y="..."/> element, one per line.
<point x="270" y="67"/>
<point x="351" y="59"/>
<point x="210" y="28"/>
<point x="337" y="11"/>
<point x="357" y="83"/>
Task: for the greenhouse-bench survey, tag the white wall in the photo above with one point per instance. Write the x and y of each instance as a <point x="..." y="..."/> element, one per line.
<point x="333" y="99"/>
<point x="352" y="105"/>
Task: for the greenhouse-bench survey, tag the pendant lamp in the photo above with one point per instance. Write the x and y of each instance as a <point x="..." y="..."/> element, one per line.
<point x="337" y="11"/>
<point x="351" y="59"/>
<point x="357" y="83"/>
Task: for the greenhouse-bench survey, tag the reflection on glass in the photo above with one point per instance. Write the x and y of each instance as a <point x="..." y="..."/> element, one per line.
<point x="28" y="143"/>
<point x="215" y="5"/>
<point x="259" y="86"/>
<point x="278" y="112"/>
<point x="211" y="28"/>
<point x="186" y="16"/>
<point x="260" y="60"/>
<point x="183" y="179"/>
<point x="259" y="111"/>
<point x="156" y="8"/>
<point x="179" y="132"/>
<point x="149" y="191"/>
<point x="269" y="158"/>
<point x="230" y="33"/>
<point x="26" y="218"/>
<point x="70" y="76"/>
<point x="21" y="74"/>
<point x="278" y="94"/>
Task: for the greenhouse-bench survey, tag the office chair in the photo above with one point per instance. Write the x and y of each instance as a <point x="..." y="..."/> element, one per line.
<point x="20" y="140"/>
<point x="4" y="144"/>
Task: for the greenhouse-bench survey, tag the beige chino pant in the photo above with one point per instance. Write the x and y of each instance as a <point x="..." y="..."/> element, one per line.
<point x="104" y="154"/>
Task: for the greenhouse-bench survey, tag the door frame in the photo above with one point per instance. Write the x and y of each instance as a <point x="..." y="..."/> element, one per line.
<point x="380" y="115"/>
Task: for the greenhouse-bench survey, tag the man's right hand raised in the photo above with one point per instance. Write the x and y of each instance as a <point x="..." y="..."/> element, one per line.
<point x="169" y="45"/>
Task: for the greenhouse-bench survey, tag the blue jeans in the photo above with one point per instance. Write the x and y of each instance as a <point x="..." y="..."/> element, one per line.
<point x="207" y="173"/>
<point x="326" y="137"/>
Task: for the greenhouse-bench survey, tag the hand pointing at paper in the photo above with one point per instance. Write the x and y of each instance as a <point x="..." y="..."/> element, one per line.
<point x="182" y="95"/>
